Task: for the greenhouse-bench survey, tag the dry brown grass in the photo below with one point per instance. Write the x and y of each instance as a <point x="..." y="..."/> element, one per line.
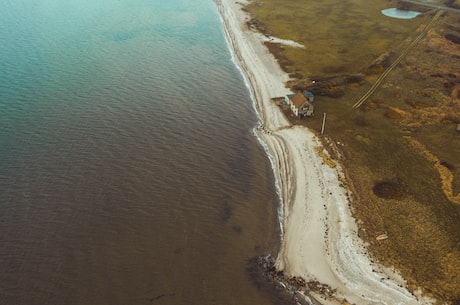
<point x="352" y="34"/>
<point x="419" y="215"/>
<point x="325" y="157"/>
<point x="445" y="173"/>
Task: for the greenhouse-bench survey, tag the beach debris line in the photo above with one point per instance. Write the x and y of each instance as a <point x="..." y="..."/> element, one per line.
<point x="262" y="128"/>
<point x="382" y="237"/>
<point x="293" y="289"/>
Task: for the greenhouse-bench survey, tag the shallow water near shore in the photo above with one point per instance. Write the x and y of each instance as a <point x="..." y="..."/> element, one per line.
<point x="128" y="170"/>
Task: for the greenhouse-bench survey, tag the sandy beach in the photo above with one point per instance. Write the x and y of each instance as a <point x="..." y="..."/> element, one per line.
<point x="319" y="234"/>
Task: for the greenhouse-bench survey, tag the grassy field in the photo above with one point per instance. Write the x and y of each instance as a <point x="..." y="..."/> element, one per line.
<point x="400" y="149"/>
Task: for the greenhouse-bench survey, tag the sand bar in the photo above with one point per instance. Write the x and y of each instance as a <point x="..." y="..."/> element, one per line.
<point x="319" y="239"/>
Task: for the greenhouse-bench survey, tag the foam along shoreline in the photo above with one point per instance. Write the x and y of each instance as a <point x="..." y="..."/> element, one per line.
<point x="319" y="235"/>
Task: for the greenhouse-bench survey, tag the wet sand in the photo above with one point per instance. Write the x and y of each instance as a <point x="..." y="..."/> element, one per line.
<point x="319" y="239"/>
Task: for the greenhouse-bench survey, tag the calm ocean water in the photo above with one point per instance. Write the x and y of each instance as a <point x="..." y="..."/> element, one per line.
<point x="128" y="171"/>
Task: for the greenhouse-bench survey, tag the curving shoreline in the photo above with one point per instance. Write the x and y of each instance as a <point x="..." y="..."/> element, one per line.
<point x="319" y="234"/>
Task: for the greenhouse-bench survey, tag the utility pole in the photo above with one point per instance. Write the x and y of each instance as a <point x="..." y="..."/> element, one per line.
<point x="324" y="123"/>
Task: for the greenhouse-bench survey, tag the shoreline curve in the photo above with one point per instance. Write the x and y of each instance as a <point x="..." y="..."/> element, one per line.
<point x="319" y="239"/>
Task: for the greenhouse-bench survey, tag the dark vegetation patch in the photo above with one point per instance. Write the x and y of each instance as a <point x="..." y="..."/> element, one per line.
<point x="447" y="165"/>
<point x="380" y="63"/>
<point x="453" y="3"/>
<point x="388" y="190"/>
<point x="277" y="50"/>
<point x="450" y="80"/>
<point x="453" y="38"/>
<point x="361" y="121"/>
<point x="331" y="86"/>
<point x="416" y="104"/>
<point x="255" y="24"/>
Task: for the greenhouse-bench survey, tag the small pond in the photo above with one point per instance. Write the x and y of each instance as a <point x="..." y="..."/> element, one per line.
<point x="400" y="14"/>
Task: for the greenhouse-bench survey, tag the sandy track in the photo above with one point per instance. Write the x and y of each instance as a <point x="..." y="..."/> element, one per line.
<point x="319" y="239"/>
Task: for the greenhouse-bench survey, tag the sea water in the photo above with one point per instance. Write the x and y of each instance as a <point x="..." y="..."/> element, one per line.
<point x="128" y="170"/>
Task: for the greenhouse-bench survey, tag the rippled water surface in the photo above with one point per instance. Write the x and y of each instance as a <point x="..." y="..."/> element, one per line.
<point x="128" y="171"/>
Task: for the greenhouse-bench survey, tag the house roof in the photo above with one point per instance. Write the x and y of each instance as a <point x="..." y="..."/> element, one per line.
<point x="308" y="94"/>
<point x="298" y="100"/>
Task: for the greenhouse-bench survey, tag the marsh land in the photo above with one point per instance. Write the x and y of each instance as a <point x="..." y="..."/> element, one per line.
<point x="400" y="149"/>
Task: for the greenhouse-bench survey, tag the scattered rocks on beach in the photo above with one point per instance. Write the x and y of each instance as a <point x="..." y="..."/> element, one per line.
<point x="292" y="289"/>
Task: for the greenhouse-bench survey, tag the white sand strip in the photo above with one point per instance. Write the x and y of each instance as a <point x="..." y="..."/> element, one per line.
<point x="320" y="239"/>
<point x="286" y="42"/>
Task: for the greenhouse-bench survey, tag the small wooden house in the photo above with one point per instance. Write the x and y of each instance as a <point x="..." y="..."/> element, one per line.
<point x="301" y="104"/>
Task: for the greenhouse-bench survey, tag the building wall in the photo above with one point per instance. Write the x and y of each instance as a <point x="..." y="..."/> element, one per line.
<point x="294" y="109"/>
